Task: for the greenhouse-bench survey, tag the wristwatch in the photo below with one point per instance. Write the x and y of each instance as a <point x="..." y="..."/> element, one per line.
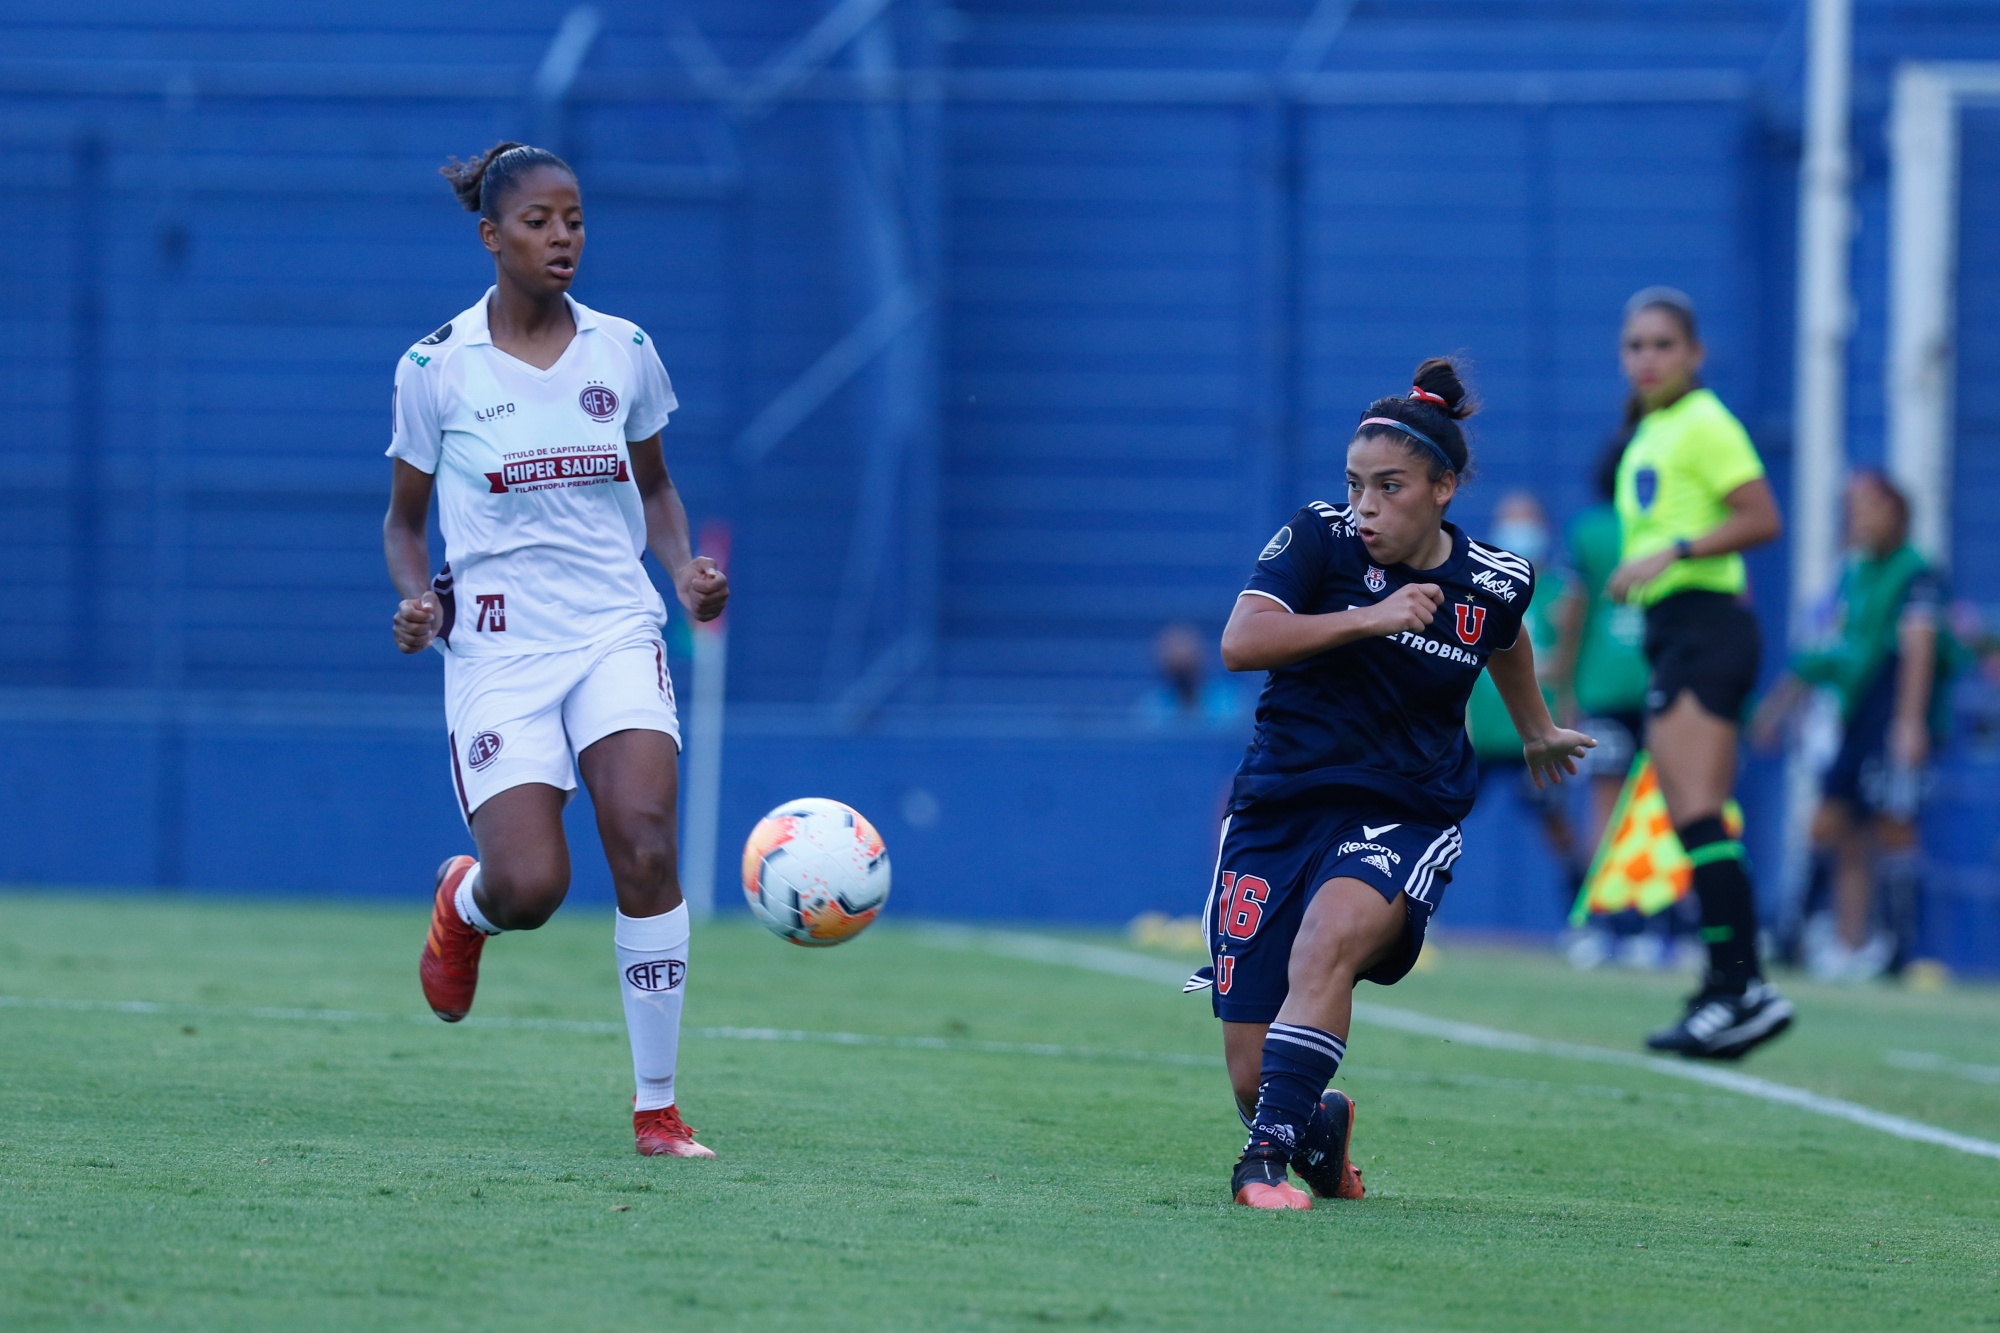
<point x="1683" y="549"/>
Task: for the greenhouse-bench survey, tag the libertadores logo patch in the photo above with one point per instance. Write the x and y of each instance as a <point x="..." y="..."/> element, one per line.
<point x="485" y="747"/>
<point x="599" y="401"/>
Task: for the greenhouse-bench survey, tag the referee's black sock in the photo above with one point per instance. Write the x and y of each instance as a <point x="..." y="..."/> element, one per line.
<point x="1728" y="904"/>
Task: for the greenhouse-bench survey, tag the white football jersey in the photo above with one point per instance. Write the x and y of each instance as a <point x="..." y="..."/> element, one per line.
<point x="543" y="526"/>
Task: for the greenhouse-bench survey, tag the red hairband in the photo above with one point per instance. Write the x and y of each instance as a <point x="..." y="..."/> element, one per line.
<point x="1429" y="397"/>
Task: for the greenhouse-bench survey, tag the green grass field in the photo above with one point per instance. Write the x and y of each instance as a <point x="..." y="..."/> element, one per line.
<point x="1016" y="1143"/>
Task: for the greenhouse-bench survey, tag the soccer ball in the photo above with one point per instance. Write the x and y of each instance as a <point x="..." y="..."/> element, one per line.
<point x="815" y="872"/>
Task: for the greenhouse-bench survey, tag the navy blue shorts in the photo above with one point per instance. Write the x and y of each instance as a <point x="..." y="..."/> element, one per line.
<point x="1862" y="774"/>
<point x="1864" y="746"/>
<point x="1275" y="858"/>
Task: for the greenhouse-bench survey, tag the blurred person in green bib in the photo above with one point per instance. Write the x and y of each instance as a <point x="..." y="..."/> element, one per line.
<point x="1600" y="674"/>
<point x="1886" y="657"/>
<point x="1520" y="525"/>
<point x="1604" y="648"/>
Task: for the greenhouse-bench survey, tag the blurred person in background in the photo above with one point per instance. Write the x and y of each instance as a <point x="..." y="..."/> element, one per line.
<point x="1600" y="679"/>
<point x="1692" y="496"/>
<point x="1886" y="659"/>
<point x="1521" y="525"/>
<point x="1188" y="695"/>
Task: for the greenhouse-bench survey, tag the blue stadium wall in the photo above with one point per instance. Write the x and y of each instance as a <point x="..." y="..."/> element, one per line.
<point x="1119" y="275"/>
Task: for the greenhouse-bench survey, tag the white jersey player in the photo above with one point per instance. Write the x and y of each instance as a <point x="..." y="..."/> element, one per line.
<point x="537" y="422"/>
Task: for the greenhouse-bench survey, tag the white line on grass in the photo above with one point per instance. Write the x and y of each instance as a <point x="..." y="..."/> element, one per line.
<point x="1931" y="1063"/>
<point x="584" y="1025"/>
<point x="294" y="1015"/>
<point x="1120" y="962"/>
<point x="963" y="1044"/>
<point x="503" y="1022"/>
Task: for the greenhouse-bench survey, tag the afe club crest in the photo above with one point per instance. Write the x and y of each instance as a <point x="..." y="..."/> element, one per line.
<point x="484" y="749"/>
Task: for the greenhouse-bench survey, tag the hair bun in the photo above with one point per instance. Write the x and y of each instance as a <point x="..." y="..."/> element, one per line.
<point x="1439" y="376"/>
<point x="466" y="177"/>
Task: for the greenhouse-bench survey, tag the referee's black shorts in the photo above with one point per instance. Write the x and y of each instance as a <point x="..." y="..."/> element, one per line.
<point x="1706" y="642"/>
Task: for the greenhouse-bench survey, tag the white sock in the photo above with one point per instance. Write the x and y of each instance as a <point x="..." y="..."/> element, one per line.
<point x="652" y="972"/>
<point x="468" y="906"/>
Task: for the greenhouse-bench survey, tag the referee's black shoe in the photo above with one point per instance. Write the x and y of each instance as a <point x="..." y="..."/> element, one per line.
<point x="1721" y="1026"/>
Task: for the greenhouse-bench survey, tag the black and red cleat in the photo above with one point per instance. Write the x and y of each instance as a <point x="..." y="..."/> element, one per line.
<point x="449" y="968"/>
<point x="1259" y="1181"/>
<point x="663" y="1133"/>
<point x="1322" y="1160"/>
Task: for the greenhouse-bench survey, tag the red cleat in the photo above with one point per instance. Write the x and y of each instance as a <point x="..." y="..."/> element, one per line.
<point x="662" y="1133"/>
<point x="1261" y="1182"/>
<point x="1322" y="1160"/>
<point x="1281" y="1197"/>
<point x="450" y="965"/>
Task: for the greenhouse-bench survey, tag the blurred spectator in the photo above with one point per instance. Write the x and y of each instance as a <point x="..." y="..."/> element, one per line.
<point x="1978" y="639"/>
<point x="1600" y="664"/>
<point x="1600" y="673"/>
<point x="1886" y="657"/>
<point x="1520" y="526"/>
<point x="1189" y="695"/>
<point x="1976" y="708"/>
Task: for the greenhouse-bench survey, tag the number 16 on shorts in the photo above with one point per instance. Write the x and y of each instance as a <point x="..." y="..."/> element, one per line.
<point x="1240" y="911"/>
<point x="1243" y="898"/>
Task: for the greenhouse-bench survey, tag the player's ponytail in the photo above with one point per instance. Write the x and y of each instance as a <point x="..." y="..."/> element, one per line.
<point x="1425" y="420"/>
<point x="483" y="182"/>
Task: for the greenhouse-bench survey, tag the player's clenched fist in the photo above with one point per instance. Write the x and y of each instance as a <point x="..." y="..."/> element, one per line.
<point x="703" y="587"/>
<point x="1410" y="607"/>
<point x="417" y="622"/>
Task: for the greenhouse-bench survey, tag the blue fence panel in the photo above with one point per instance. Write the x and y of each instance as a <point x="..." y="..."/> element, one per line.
<point x="1162" y="291"/>
<point x="1975" y="555"/>
<point x="1094" y="392"/>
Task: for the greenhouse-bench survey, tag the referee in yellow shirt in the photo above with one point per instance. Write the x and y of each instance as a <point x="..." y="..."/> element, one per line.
<point x="1691" y="498"/>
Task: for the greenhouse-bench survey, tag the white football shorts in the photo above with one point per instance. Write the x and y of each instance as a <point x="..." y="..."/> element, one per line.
<point x="525" y="718"/>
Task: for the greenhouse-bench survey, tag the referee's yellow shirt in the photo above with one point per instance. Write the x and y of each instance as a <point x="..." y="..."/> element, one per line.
<point x="1680" y="464"/>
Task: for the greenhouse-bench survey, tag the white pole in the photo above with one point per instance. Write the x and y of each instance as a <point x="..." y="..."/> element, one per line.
<point x="1819" y="405"/>
<point x="704" y="746"/>
<point x="1819" y="452"/>
<point x="1923" y="261"/>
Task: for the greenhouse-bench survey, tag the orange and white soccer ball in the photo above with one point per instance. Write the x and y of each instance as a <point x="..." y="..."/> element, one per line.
<point x="815" y="872"/>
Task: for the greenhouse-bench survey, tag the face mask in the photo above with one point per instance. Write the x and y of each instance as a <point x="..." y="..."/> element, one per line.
<point x="1527" y="540"/>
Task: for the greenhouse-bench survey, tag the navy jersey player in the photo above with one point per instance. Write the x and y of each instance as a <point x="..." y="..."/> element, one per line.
<point x="1373" y="620"/>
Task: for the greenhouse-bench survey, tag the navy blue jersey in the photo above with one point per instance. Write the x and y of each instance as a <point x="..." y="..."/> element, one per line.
<point x="1379" y="722"/>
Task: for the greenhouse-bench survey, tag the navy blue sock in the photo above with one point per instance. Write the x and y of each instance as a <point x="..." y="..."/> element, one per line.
<point x="1298" y="1064"/>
